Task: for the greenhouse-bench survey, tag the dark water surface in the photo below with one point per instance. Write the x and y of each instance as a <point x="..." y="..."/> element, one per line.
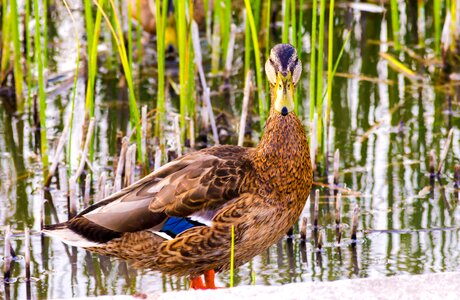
<point x="383" y="123"/>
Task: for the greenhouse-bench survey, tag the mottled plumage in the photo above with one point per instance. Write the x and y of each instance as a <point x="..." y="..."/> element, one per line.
<point x="260" y="191"/>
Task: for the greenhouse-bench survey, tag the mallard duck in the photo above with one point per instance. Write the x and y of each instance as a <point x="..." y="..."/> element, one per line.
<point x="179" y="219"/>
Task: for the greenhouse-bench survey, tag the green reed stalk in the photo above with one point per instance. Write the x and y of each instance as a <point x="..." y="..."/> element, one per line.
<point x="299" y="31"/>
<point x="293" y="24"/>
<point x="247" y="46"/>
<point x="225" y="19"/>
<point x="286" y="21"/>
<point x="5" y="60"/>
<point x="182" y="41"/>
<point x="437" y="25"/>
<point x="28" y="49"/>
<point x="140" y="50"/>
<point x="41" y="92"/>
<point x="293" y="41"/>
<point x="330" y="49"/>
<point x="160" y="24"/>
<point x="267" y="28"/>
<point x="45" y="33"/>
<point x="118" y="37"/>
<point x="18" y="75"/>
<point x="215" y="39"/>
<point x="75" y="80"/>
<point x="256" y="12"/>
<point x="191" y="67"/>
<point x="92" y="37"/>
<point x="267" y="39"/>
<point x="89" y="24"/>
<point x="255" y="43"/>
<point x="112" y="58"/>
<point x="232" y="255"/>
<point x="206" y="9"/>
<point x="453" y="24"/>
<point x="421" y="22"/>
<point x="92" y="69"/>
<point x="313" y="60"/>
<point x="190" y="79"/>
<point x="130" y="36"/>
<point x="395" y="23"/>
<point x="319" y="78"/>
<point x="339" y="57"/>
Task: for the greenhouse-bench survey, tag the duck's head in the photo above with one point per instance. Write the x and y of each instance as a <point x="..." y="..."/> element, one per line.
<point x="283" y="69"/>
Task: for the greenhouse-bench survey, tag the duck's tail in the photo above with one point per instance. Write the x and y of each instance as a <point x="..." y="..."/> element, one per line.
<point x="68" y="236"/>
<point x="138" y="247"/>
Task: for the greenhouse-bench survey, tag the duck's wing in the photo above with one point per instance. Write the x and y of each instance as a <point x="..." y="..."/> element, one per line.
<point x="195" y="186"/>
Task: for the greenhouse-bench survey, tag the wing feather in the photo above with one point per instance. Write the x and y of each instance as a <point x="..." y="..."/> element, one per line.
<point x="195" y="185"/>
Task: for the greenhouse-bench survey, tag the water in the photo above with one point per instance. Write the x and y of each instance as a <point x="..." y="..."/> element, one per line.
<point x="383" y="123"/>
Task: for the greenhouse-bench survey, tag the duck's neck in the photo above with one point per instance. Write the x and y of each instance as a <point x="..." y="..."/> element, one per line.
<point x="282" y="154"/>
<point x="283" y="138"/>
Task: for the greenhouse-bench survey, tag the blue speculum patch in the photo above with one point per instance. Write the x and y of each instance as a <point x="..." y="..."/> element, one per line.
<point x="176" y="225"/>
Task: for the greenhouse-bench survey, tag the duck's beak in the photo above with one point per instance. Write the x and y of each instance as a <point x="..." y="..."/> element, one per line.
<point x="284" y="93"/>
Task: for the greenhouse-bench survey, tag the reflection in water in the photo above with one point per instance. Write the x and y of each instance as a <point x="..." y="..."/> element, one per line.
<point x="383" y="124"/>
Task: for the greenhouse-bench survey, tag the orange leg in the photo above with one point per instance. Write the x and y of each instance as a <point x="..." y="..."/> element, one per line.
<point x="196" y="283"/>
<point x="209" y="279"/>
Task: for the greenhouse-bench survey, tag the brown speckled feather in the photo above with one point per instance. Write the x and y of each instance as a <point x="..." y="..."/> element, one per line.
<point x="203" y="180"/>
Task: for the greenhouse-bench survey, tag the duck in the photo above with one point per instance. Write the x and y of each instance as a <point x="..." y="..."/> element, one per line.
<point x="180" y="218"/>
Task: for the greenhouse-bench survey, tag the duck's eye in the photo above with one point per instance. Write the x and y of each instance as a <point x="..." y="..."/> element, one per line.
<point x="280" y="87"/>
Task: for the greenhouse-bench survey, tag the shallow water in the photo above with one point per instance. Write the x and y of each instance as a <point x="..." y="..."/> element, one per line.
<point x="383" y="123"/>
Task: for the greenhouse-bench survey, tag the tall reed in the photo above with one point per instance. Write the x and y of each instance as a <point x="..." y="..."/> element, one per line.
<point x="312" y="86"/>
<point x="45" y="32"/>
<point x="92" y="41"/>
<point x="41" y="91"/>
<point x="18" y="75"/>
<point x="453" y="24"/>
<point x="293" y="21"/>
<point x="395" y="23"/>
<point x="180" y="7"/>
<point x="298" y="42"/>
<point x="286" y="21"/>
<point x="421" y="23"/>
<point x="74" y="91"/>
<point x="130" y="35"/>
<point x="330" y="49"/>
<point x="190" y="78"/>
<point x="117" y="34"/>
<point x="232" y="255"/>
<point x="27" y="53"/>
<point x="160" y="25"/>
<point x="93" y="31"/>
<point x="140" y="50"/>
<point x="215" y="39"/>
<point x="247" y="45"/>
<point x="437" y="25"/>
<point x="267" y="38"/>
<point x="256" y="13"/>
<point x="299" y="30"/>
<point x="6" y="37"/>
<point x="255" y="44"/>
<point x="89" y="25"/>
<point x="319" y="73"/>
<point x="225" y="20"/>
